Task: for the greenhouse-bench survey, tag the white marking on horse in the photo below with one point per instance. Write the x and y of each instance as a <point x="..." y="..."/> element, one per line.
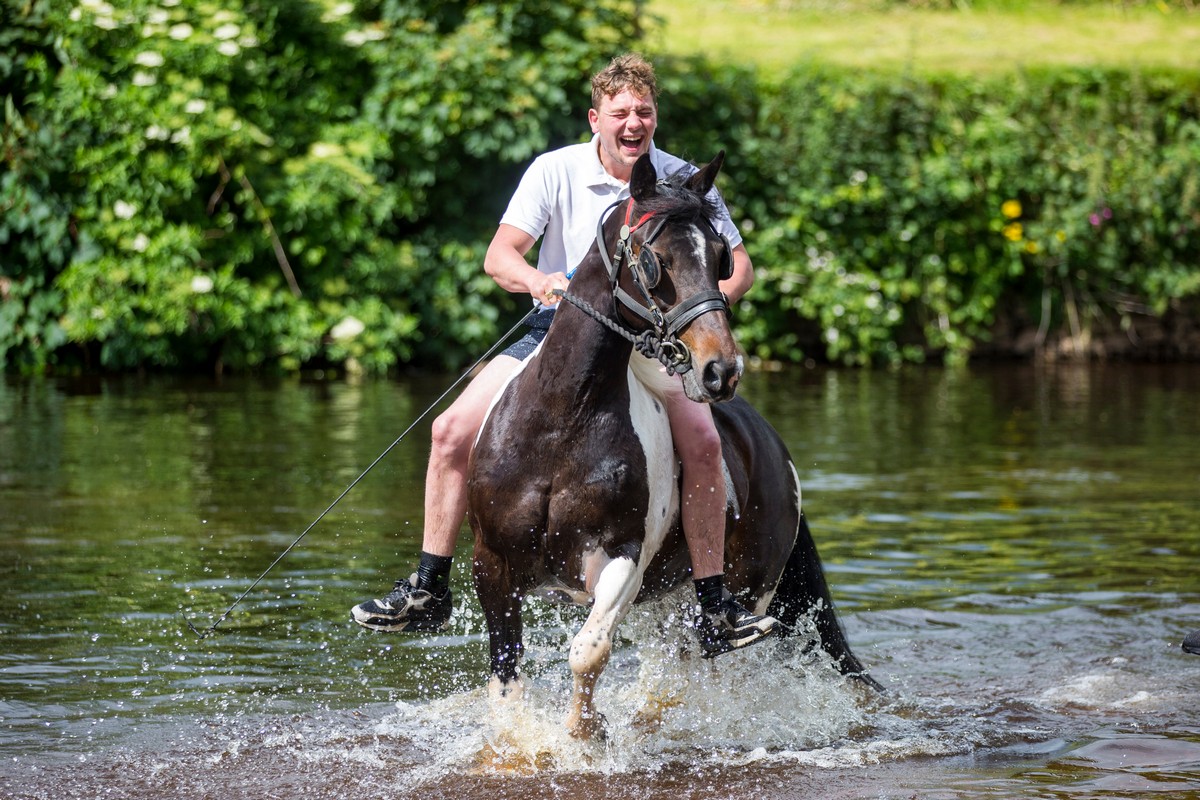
<point x="615" y="582"/>
<point x="765" y="601"/>
<point x="616" y="587"/>
<point x="699" y="244"/>
<point x="647" y="411"/>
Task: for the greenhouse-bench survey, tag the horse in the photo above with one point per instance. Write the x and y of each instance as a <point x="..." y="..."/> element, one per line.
<point x="573" y="485"/>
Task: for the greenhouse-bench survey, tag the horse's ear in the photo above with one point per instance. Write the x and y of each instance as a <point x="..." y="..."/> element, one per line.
<point x="702" y="181"/>
<point x="643" y="183"/>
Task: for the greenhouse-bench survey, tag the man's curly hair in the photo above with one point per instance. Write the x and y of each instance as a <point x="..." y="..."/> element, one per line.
<point x="629" y="71"/>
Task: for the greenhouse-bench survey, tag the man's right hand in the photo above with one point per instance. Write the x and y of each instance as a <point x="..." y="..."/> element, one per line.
<point x="546" y="285"/>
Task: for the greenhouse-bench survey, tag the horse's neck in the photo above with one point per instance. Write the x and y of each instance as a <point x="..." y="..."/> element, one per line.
<point x="581" y="357"/>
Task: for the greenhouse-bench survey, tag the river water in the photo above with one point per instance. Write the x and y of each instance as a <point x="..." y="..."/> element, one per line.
<point x="1015" y="552"/>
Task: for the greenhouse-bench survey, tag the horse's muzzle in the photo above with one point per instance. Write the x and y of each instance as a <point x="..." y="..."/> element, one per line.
<point x="719" y="378"/>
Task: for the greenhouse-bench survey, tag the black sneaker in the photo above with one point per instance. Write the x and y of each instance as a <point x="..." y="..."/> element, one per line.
<point x="730" y="627"/>
<point x="405" y="608"/>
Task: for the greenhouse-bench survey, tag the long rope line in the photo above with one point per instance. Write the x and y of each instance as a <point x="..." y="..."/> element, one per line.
<point x="203" y="634"/>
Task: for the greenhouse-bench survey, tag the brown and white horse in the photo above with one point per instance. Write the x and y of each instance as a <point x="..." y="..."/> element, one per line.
<point x="574" y="484"/>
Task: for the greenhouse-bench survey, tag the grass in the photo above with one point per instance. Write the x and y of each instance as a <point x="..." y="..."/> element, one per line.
<point x="988" y="40"/>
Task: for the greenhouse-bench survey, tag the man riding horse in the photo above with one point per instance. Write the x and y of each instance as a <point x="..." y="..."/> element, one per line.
<point x="559" y="200"/>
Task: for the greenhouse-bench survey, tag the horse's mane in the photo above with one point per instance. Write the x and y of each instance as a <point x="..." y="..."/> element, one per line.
<point x="675" y="202"/>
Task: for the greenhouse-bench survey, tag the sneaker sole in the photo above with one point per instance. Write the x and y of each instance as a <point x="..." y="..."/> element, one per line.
<point x="753" y="633"/>
<point x="386" y="625"/>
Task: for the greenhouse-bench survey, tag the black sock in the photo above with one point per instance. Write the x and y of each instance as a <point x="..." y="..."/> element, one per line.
<point x="433" y="573"/>
<point x="709" y="591"/>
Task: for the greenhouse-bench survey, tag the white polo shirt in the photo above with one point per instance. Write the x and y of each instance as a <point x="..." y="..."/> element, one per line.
<point x="564" y="192"/>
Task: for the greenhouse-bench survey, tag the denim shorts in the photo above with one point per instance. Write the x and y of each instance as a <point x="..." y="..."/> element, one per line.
<point x="538" y="324"/>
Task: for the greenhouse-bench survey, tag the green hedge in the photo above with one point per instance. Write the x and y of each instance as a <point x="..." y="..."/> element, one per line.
<point x="898" y="219"/>
<point x="198" y="186"/>
<point x="203" y="185"/>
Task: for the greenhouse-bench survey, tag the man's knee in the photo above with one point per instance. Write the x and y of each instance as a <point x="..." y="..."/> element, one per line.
<point x="701" y="447"/>
<point x="452" y="434"/>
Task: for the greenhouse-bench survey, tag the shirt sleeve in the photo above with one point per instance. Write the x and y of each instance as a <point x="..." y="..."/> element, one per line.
<point x="724" y="221"/>
<point x="669" y="164"/>
<point x="530" y="206"/>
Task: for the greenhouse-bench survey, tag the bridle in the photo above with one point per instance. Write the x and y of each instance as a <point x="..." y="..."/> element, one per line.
<point x="661" y="339"/>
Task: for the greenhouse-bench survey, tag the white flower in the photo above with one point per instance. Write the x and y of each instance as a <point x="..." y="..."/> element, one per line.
<point x="182" y="136"/>
<point x="144" y="78"/>
<point x="105" y="23"/>
<point x="195" y="106"/>
<point x="227" y="31"/>
<point x="202" y="284"/>
<point x="76" y="14"/>
<point x="157" y="16"/>
<point x="228" y="49"/>
<point x="124" y="210"/>
<point x="158" y="133"/>
<point x="180" y="32"/>
<point x="347" y="329"/>
<point x="141" y="242"/>
<point x="325" y="150"/>
<point x="149" y="58"/>
<point x="360" y="37"/>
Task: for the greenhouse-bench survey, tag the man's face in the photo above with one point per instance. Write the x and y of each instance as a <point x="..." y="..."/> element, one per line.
<point x="626" y="124"/>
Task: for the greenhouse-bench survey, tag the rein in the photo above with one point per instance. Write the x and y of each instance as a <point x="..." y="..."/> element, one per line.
<point x="661" y="340"/>
<point x="671" y="353"/>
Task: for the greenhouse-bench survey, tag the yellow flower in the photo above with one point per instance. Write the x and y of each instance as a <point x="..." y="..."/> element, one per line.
<point x="1013" y="231"/>
<point x="1032" y="248"/>
<point x="1011" y="209"/>
<point x="1060" y="235"/>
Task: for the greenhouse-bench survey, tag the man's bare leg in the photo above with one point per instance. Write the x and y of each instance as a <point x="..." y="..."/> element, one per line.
<point x="723" y="624"/>
<point x="454" y="433"/>
<point x="424" y="602"/>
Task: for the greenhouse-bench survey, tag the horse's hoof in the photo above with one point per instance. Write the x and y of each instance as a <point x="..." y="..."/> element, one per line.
<point x="1191" y="643"/>
<point x="649" y="718"/>
<point x="588" y="727"/>
<point x="507" y="691"/>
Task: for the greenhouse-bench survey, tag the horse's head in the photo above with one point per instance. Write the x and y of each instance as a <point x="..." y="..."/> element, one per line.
<point x="665" y="270"/>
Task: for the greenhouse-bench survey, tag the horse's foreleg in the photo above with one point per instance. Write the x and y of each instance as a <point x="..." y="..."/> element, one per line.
<point x="616" y="585"/>
<point x="501" y="602"/>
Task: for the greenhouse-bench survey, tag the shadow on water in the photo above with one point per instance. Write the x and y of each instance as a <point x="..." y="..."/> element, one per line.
<point x="1013" y="551"/>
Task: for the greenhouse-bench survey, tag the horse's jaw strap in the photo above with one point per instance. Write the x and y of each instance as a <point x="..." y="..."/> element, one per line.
<point x="661" y="340"/>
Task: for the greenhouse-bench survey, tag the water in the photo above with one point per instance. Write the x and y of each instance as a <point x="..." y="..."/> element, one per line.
<point x="1014" y="552"/>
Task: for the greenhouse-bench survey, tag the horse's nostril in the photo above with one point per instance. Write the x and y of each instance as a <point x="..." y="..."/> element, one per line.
<point x="720" y="379"/>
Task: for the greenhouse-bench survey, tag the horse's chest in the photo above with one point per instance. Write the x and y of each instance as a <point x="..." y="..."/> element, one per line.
<point x="604" y="472"/>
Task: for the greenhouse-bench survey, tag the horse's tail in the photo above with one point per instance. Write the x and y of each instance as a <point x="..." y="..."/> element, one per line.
<point x="803" y="591"/>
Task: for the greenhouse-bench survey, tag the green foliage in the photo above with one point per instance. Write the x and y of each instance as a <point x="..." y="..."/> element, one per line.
<point x="239" y="184"/>
<point x="245" y="185"/>
<point x="902" y="217"/>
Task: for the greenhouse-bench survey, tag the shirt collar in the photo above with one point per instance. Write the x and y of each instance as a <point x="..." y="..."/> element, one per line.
<point x="595" y="172"/>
